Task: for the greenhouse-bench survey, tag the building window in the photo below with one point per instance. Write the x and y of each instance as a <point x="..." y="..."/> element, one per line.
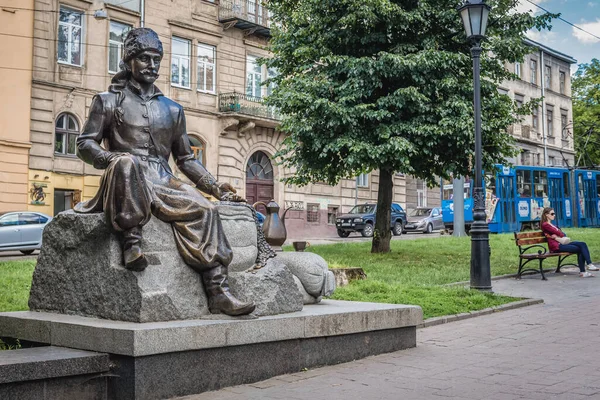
<point x="198" y="147"/>
<point x="253" y="77"/>
<point x="518" y="69"/>
<point x="70" y="32"/>
<point x="533" y="71"/>
<point x="207" y="56"/>
<point x="547" y="77"/>
<point x="421" y="193"/>
<point x="550" y="126"/>
<point x="519" y="99"/>
<point x="312" y="212"/>
<point x="362" y="180"/>
<point x="332" y="212"/>
<point x="116" y="37"/>
<point x="271" y="73"/>
<point x="65" y="134"/>
<point x="551" y="161"/>
<point x="563" y="124"/>
<point x="534" y="118"/>
<point x="561" y="78"/>
<point x="130" y="4"/>
<point x="180" y="62"/>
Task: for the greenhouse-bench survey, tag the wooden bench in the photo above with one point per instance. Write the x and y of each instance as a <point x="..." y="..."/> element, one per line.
<point x="534" y="241"/>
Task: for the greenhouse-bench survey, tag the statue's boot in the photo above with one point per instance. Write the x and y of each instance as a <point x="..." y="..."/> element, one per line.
<point x="133" y="257"/>
<point x="220" y="299"/>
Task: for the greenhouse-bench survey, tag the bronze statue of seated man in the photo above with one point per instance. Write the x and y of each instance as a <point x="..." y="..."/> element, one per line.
<point x="139" y="129"/>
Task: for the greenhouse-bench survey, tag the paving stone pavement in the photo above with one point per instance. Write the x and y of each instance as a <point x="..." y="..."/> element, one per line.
<point x="547" y="351"/>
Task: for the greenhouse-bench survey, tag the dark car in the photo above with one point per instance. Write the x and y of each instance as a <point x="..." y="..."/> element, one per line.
<point x="424" y="219"/>
<point x="362" y="219"/>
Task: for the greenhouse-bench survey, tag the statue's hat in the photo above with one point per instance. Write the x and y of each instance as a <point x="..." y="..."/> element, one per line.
<point x="139" y="40"/>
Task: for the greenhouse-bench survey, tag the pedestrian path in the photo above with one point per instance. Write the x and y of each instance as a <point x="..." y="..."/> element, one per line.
<point x="547" y="351"/>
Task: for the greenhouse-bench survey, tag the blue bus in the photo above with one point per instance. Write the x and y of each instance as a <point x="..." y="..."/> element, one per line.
<point x="515" y="198"/>
<point x="587" y="188"/>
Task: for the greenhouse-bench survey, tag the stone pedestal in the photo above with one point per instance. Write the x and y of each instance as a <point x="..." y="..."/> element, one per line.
<point x="161" y="360"/>
<point x="80" y="271"/>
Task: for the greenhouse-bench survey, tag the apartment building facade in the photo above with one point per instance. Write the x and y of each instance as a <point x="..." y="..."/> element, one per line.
<point x="16" y="31"/>
<point x="545" y="138"/>
<point x="209" y="67"/>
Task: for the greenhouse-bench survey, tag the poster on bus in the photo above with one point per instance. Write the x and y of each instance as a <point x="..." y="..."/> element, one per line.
<point x="491" y="201"/>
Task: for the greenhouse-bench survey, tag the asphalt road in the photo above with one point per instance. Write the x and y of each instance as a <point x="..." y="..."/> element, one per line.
<point x="16" y="255"/>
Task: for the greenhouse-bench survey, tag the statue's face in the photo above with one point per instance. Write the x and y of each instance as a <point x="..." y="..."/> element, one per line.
<point x="145" y="67"/>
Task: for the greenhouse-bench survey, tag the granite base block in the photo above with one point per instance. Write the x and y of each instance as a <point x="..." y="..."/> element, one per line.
<point x="48" y="373"/>
<point x="176" y="358"/>
<point x="183" y="373"/>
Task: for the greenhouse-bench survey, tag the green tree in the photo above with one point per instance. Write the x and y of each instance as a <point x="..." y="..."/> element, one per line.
<point x="586" y="112"/>
<point x="388" y="85"/>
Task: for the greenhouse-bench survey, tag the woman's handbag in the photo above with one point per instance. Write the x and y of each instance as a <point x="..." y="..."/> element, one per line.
<point x="563" y="240"/>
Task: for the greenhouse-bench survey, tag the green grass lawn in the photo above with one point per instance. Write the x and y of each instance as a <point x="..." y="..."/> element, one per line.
<point x="15" y="281"/>
<point x="415" y="272"/>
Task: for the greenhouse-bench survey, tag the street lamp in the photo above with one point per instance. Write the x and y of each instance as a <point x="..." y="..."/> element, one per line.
<point x="474" y="14"/>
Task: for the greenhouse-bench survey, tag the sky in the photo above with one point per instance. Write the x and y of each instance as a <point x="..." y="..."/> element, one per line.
<point x="565" y="38"/>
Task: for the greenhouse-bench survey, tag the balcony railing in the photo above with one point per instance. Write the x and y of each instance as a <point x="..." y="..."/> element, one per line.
<point x="249" y="15"/>
<point x="240" y="103"/>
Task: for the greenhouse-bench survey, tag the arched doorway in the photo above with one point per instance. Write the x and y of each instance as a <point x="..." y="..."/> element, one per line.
<point x="259" y="178"/>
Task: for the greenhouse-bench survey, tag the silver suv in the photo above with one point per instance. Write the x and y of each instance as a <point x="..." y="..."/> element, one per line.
<point x="22" y="231"/>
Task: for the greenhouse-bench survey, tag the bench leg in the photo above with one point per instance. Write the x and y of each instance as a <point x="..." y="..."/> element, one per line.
<point x="520" y="268"/>
<point x="542" y="270"/>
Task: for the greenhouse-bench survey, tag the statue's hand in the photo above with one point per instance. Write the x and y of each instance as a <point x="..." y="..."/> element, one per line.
<point x="226" y="192"/>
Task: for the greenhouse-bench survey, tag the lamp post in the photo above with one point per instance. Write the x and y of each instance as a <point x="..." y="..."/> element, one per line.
<point x="474" y="14"/>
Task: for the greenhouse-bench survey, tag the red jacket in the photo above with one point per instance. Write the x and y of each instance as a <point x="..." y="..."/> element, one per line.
<point x="550" y="230"/>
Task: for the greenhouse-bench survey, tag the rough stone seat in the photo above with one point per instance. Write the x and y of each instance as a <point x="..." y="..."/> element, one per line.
<point x="80" y="271"/>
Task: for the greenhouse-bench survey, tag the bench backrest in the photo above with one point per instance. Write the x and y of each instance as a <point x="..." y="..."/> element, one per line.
<point x="530" y="238"/>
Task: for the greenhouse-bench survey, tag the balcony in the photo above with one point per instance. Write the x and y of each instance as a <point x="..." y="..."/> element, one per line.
<point x="249" y="15"/>
<point x="248" y="109"/>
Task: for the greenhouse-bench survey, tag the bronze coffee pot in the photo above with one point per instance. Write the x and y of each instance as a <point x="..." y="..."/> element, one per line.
<point x="274" y="225"/>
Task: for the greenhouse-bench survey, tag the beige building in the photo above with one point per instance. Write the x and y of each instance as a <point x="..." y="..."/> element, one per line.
<point x="16" y="47"/>
<point x="545" y="137"/>
<point x="209" y="67"/>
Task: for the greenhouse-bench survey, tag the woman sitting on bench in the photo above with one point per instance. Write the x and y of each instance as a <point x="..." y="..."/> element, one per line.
<point x="555" y="236"/>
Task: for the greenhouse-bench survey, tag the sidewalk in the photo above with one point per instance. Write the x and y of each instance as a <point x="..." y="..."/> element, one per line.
<point x="546" y="351"/>
<point x="356" y="237"/>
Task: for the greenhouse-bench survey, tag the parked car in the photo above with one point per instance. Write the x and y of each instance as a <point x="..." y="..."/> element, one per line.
<point x="424" y="219"/>
<point x="22" y="231"/>
<point x="362" y="219"/>
<point x="261" y="218"/>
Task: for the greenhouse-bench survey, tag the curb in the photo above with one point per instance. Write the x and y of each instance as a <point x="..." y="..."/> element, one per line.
<point x="486" y="311"/>
<point x="498" y="277"/>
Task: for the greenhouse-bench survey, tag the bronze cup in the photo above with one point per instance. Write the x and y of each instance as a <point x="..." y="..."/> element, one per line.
<point x="300" y="246"/>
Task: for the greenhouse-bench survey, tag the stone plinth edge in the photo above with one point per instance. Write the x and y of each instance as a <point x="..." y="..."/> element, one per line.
<point x="326" y="319"/>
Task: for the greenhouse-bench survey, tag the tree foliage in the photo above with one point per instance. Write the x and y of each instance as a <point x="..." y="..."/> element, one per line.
<point x="586" y="112"/>
<point x="388" y="85"/>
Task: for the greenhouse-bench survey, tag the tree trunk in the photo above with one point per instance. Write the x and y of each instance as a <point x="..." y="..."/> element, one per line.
<point x="383" y="232"/>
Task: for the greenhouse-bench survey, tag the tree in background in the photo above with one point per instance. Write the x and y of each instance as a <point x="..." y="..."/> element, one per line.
<point x="388" y="85"/>
<point x="585" y="88"/>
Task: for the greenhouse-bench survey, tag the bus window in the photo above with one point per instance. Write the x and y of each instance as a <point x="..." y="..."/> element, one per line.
<point x="447" y="189"/>
<point x="566" y="184"/>
<point x="540" y="182"/>
<point x="468" y="189"/>
<point x="524" y="183"/>
<point x="598" y="185"/>
<point x="490" y="183"/>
